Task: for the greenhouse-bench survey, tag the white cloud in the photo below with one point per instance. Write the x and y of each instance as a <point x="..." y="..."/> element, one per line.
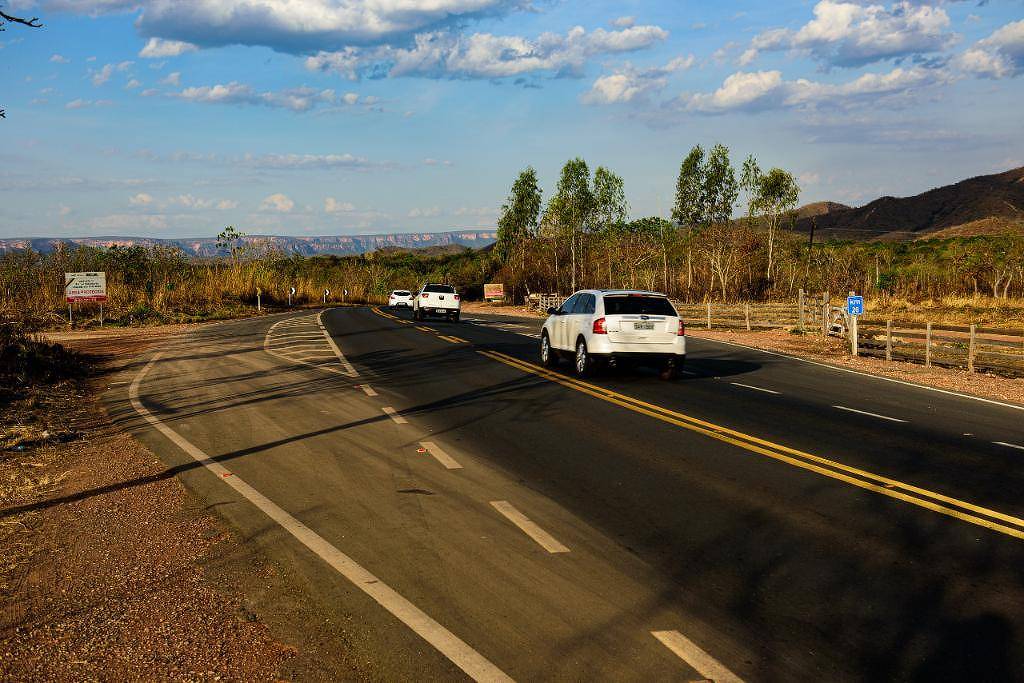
<point x="332" y="205"/>
<point x="766" y="89"/>
<point x="141" y="199"/>
<point x="59" y="59"/>
<point x="133" y="83"/>
<point x="436" y="162"/>
<point x="103" y="75"/>
<point x="1001" y="55"/>
<point x="849" y="34"/>
<point x="189" y="201"/>
<point x="629" y="84"/>
<point x="82" y="104"/>
<point x="429" y="212"/>
<point x="277" y="202"/>
<point x="350" y="98"/>
<point x="484" y="55"/>
<point x="173" y="79"/>
<point x="227" y="204"/>
<point x="295" y="99"/>
<point x="308" y="161"/>
<point x="624" y="22"/>
<point x="158" y="47"/>
<point x="294" y="26"/>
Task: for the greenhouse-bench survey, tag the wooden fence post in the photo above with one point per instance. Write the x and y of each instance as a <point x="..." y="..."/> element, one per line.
<point x="709" y="315"/>
<point x="888" y="340"/>
<point x="928" y="345"/>
<point x="972" y="349"/>
<point x="800" y="304"/>
<point x="825" y="306"/>
<point x="746" y="310"/>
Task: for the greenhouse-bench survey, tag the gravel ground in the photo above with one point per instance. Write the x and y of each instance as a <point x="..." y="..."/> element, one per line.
<point x="102" y="575"/>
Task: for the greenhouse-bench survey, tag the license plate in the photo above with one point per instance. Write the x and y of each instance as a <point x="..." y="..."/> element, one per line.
<point x="643" y="326"/>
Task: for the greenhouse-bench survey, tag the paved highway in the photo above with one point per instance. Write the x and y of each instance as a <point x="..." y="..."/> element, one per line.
<point x="763" y="518"/>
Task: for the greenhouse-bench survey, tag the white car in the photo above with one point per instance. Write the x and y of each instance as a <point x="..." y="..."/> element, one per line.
<point x="440" y="300"/>
<point x="595" y="326"/>
<point x="400" y="298"/>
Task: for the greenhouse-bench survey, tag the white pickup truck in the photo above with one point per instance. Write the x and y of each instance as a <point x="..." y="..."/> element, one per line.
<point x="436" y="300"/>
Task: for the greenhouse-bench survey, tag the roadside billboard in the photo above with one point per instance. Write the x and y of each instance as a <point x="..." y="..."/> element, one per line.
<point x="494" y="291"/>
<point x="85" y="287"/>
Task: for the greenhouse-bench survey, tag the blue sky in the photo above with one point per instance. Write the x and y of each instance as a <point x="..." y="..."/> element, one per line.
<point x="173" y="119"/>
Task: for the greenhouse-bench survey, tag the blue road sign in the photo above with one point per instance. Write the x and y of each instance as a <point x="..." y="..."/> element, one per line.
<point x="855" y="305"/>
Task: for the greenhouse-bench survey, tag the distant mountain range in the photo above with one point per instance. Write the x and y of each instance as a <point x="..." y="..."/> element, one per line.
<point x="341" y="245"/>
<point x="980" y="205"/>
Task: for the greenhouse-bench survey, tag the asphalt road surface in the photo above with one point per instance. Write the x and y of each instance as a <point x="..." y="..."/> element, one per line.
<point x="762" y="518"/>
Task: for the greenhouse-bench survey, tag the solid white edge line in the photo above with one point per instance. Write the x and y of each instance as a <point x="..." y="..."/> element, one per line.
<point x="751" y="386"/>
<point x="864" y="412"/>
<point x="706" y="665"/>
<point x="393" y="414"/>
<point x="528" y="527"/>
<point x="475" y="665"/>
<point x="863" y="374"/>
<point x="367" y="389"/>
<point x="349" y="370"/>
<point x="1009" y="445"/>
<point x="440" y="455"/>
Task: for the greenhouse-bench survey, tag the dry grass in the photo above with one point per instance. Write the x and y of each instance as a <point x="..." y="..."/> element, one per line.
<point x="984" y="311"/>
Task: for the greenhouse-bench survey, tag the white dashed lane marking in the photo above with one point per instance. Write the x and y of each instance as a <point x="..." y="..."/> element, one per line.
<point x="528" y="527"/>
<point x="751" y="386"/>
<point x="864" y="412"/>
<point x="1008" y="445"/>
<point x="688" y="651"/>
<point x="393" y="414"/>
<point x="440" y="455"/>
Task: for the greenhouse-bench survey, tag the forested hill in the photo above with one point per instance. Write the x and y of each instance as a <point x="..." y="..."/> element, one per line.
<point x="307" y="246"/>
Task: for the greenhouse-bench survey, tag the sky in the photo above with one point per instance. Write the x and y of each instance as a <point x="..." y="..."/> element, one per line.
<point x="175" y="118"/>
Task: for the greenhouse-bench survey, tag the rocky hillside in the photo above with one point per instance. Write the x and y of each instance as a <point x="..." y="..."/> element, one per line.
<point x="976" y="201"/>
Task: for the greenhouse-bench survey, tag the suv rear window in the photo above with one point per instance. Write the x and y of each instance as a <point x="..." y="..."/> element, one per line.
<point x="400" y="292"/>
<point x="632" y="304"/>
<point x="440" y="289"/>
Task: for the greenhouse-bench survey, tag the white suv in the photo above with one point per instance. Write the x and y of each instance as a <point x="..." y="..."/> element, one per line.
<point x="595" y="326"/>
<point x="436" y="300"/>
<point x="400" y="298"/>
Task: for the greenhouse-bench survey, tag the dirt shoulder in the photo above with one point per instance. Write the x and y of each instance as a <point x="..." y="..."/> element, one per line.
<point x="111" y="569"/>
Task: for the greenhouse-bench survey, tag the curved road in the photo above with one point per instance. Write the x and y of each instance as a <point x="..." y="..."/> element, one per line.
<point x="475" y="515"/>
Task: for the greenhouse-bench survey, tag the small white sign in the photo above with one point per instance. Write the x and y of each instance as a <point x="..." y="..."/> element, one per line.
<point x="85" y="287"/>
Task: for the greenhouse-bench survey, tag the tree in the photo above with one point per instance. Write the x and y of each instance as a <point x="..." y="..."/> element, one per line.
<point x="575" y="204"/>
<point x="776" y="194"/>
<point x="719" y="192"/>
<point x="610" y="209"/>
<point x="11" y="19"/>
<point x="232" y="241"/>
<point x="518" y="222"/>
<point x="689" y="208"/>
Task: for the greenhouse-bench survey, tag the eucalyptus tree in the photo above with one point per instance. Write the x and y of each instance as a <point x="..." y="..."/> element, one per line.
<point x="518" y="223"/>
<point x="689" y="211"/>
<point x="719" y="191"/>
<point x="574" y="204"/>
<point x="610" y="209"/>
<point x="776" y="197"/>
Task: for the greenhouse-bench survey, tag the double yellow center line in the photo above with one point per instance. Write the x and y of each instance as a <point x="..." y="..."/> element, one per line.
<point x="908" y="493"/>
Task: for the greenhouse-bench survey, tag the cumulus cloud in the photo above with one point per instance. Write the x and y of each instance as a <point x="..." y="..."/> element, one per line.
<point x="277" y="202"/>
<point x="629" y="84"/>
<point x="1001" y="55"/>
<point x="332" y="205"/>
<point x="295" y="99"/>
<point x="442" y="54"/>
<point x="158" y="47"/>
<point x="59" y="59"/>
<point x="141" y="199"/>
<point x="759" y="90"/>
<point x="308" y="161"/>
<point x="173" y="79"/>
<point x="103" y="75"/>
<point x="429" y="212"/>
<point x="848" y="34"/>
<point x="82" y="104"/>
<point x="227" y="204"/>
<point x="302" y="26"/>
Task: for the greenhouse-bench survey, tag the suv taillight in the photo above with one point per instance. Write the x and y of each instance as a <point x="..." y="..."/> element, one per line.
<point x="682" y="329"/>
<point x="424" y="295"/>
<point x="456" y="297"/>
<point x="599" y="327"/>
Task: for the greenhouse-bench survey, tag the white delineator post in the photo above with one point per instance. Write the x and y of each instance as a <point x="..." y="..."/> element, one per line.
<point x="888" y="340"/>
<point x="928" y="345"/>
<point x="746" y="312"/>
<point x="972" y="349"/>
<point x="709" y="315"/>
